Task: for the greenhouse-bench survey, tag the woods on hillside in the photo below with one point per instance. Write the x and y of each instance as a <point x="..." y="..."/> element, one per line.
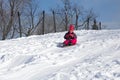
<point x="24" y="18"/>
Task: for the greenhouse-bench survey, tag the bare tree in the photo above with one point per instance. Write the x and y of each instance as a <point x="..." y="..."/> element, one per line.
<point x="6" y="24"/>
<point x="57" y="19"/>
<point x="66" y="13"/>
<point x="31" y="18"/>
<point x="95" y="26"/>
<point x="8" y="14"/>
<point x="78" y="11"/>
<point x="90" y="16"/>
<point x="69" y="14"/>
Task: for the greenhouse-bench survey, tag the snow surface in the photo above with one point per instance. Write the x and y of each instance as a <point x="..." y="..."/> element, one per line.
<point x="95" y="57"/>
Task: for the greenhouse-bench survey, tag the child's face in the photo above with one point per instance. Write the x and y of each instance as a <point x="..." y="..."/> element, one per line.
<point x="70" y="31"/>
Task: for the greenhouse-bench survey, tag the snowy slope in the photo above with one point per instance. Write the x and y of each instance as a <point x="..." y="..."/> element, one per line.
<point x="95" y="57"/>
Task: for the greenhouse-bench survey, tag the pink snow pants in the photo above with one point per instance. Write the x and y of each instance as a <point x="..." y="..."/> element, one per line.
<point x="72" y="41"/>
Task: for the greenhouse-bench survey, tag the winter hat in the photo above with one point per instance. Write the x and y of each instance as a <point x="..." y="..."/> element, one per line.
<point x="71" y="27"/>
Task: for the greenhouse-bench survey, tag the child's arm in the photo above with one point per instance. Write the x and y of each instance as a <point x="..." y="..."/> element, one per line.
<point x="66" y="36"/>
<point x="73" y="35"/>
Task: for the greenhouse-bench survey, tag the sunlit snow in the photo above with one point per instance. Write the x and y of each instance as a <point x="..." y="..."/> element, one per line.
<point x="96" y="56"/>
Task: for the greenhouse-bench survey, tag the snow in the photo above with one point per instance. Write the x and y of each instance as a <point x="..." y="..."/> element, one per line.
<point x="96" y="56"/>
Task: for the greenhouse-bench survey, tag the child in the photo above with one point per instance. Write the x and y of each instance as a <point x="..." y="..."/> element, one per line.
<point x="70" y="37"/>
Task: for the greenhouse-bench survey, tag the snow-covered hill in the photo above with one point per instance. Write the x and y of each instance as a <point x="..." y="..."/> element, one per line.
<point x="95" y="57"/>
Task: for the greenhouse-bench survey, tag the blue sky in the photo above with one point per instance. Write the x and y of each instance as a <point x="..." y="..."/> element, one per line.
<point x="107" y="10"/>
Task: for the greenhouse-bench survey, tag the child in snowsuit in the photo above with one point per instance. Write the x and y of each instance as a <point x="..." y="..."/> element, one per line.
<point x="70" y="37"/>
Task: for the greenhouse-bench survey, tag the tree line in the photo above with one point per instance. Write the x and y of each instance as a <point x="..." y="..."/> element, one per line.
<point x="24" y="18"/>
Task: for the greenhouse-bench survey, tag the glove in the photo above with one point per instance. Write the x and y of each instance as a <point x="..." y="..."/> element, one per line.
<point x="71" y="35"/>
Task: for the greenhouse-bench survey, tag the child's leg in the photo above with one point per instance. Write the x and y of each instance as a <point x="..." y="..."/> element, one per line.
<point x="73" y="41"/>
<point x="66" y="42"/>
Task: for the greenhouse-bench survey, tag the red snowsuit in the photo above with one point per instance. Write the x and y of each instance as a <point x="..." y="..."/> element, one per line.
<point x="71" y="38"/>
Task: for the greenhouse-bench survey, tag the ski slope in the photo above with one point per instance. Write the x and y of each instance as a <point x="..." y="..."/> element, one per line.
<point x="95" y="57"/>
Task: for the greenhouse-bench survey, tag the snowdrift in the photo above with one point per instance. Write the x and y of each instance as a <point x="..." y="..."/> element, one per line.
<point x="95" y="57"/>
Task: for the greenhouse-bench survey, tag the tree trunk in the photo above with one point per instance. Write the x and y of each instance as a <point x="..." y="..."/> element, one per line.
<point x="66" y="21"/>
<point x="88" y="24"/>
<point x="76" y="22"/>
<point x="20" y="27"/>
<point x="43" y="23"/>
<point x="54" y="21"/>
